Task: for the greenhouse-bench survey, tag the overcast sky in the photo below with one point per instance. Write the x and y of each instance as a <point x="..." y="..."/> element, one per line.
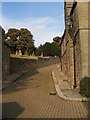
<point x="45" y="20"/>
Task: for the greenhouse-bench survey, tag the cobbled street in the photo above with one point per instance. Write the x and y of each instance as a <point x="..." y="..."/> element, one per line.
<point x="29" y="97"/>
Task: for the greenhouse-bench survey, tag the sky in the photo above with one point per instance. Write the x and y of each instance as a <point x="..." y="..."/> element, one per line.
<point x="45" y="20"/>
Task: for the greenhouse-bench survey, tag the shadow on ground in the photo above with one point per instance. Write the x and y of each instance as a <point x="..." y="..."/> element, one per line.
<point x="21" y="83"/>
<point x="87" y="105"/>
<point x="11" y="110"/>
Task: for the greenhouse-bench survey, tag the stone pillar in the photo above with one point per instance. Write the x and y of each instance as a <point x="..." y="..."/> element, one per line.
<point x="71" y="63"/>
<point x="84" y="33"/>
<point x="69" y="51"/>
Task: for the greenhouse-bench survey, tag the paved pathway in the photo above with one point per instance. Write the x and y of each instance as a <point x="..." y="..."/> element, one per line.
<point x="29" y="97"/>
<point x="63" y="88"/>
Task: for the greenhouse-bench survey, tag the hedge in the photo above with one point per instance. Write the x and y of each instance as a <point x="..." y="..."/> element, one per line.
<point x="85" y="86"/>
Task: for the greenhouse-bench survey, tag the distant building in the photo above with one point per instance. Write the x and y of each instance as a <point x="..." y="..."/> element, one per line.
<point x="74" y="44"/>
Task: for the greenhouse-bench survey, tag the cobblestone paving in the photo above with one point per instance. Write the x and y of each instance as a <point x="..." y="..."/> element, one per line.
<point x="29" y="97"/>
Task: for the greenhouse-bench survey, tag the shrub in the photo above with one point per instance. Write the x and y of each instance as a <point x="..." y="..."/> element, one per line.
<point x="85" y="86"/>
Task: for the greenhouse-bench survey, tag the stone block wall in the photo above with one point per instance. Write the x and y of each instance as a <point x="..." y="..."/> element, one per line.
<point x="84" y="33"/>
<point x="5" y="57"/>
<point x="78" y="60"/>
<point x="63" y="53"/>
<point x="75" y="17"/>
<point x="69" y="46"/>
<point x="89" y="53"/>
<point x="68" y="62"/>
<point x="80" y="32"/>
<point x="0" y="57"/>
<point x="67" y="57"/>
<point x="5" y="61"/>
<point x="84" y="52"/>
<point x="20" y="64"/>
<point x="83" y="14"/>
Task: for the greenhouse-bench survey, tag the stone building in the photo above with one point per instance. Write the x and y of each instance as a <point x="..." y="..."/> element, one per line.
<point x="5" y="57"/>
<point x="67" y="48"/>
<point x="75" y="43"/>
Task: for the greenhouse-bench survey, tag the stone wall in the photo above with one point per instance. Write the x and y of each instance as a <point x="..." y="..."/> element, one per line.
<point x="80" y="27"/>
<point x="19" y="65"/>
<point x="76" y="33"/>
<point x="0" y="58"/>
<point x="84" y="33"/>
<point x="89" y="53"/>
<point x="84" y="52"/>
<point x="78" y="60"/>
<point x="67" y="48"/>
<point x="63" y="54"/>
<point x="83" y="14"/>
<point x="89" y="39"/>
<point x="5" y="57"/>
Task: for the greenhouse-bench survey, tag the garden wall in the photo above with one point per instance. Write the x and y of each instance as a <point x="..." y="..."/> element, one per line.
<point x="21" y="64"/>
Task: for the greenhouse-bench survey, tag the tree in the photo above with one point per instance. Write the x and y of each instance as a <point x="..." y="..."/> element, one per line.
<point x="26" y="42"/>
<point x="49" y="49"/>
<point x="20" y="39"/>
<point x="55" y="50"/>
<point x="39" y="50"/>
<point x="12" y="38"/>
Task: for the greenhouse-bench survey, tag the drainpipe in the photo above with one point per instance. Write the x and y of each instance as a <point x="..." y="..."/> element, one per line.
<point x="74" y="42"/>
